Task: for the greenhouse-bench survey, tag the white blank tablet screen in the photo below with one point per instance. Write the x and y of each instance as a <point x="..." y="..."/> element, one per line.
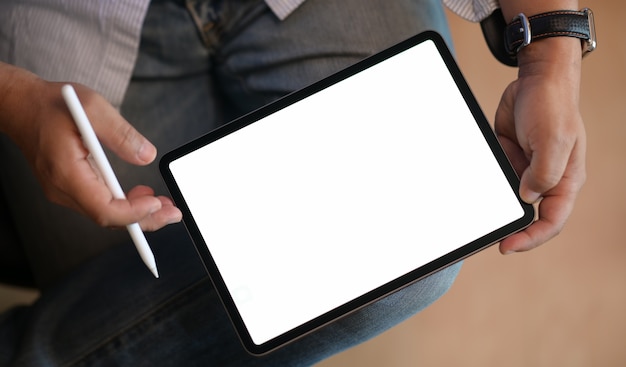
<point x="344" y="191"/>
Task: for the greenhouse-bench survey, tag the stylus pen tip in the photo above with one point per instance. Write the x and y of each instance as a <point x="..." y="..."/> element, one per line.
<point x="155" y="272"/>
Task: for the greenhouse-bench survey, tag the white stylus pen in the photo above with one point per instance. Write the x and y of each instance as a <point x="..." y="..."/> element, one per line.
<point x="102" y="164"/>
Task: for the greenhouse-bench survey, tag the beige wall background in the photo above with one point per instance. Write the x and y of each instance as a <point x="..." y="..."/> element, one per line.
<point x="560" y="305"/>
<point x="563" y="304"/>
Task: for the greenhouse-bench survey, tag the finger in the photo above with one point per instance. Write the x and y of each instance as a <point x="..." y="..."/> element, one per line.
<point x="88" y="194"/>
<point x="125" y="141"/>
<point x="515" y="154"/>
<point x="504" y="123"/>
<point x="553" y="213"/>
<point x="168" y="214"/>
<point x="504" y="127"/>
<point x="140" y="190"/>
<point x="114" y="131"/>
<point x="122" y="212"/>
<point x="546" y="169"/>
<point x="555" y="207"/>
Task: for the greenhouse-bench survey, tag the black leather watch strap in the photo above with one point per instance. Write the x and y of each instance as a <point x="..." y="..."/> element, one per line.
<point x="493" y="30"/>
<point x="522" y="31"/>
<point x="505" y="41"/>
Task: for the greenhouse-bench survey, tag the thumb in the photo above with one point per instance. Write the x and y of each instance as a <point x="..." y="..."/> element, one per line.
<point x="125" y="141"/>
<point x="114" y="131"/>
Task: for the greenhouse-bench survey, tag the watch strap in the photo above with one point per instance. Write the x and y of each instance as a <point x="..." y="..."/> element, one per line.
<point x="493" y="30"/>
<point x="569" y="23"/>
<point x="504" y="41"/>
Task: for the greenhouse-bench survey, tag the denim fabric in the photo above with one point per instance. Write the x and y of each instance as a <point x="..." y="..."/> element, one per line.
<point x="202" y="63"/>
<point x="112" y="312"/>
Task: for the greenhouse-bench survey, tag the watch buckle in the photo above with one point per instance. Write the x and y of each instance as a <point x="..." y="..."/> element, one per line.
<point x="590" y="44"/>
<point x="525" y="30"/>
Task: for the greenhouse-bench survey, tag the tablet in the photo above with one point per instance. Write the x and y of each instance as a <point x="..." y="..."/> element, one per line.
<point x="345" y="191"/>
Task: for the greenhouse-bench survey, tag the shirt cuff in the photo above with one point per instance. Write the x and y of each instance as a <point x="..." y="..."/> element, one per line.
<point x="472" y="10"/>
<point x="282" y="8"/>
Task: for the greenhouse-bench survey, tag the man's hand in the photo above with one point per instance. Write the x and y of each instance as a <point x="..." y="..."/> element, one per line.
<point x="540" y="127"/>
<point x="34" y="115"/>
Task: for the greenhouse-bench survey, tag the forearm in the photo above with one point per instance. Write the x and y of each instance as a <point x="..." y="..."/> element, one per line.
<point x="15" y="98"/>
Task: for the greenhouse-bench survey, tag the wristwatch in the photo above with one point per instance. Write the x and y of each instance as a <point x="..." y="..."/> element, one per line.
<point x="506" y="40"/>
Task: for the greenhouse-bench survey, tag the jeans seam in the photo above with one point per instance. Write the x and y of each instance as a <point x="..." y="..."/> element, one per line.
<point x="209" y="31"/>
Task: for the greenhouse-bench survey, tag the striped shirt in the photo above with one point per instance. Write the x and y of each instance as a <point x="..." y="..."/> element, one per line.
<point x="475" y="10"/>
<point x="103" y="56"/>
<point x="282" y="8"/>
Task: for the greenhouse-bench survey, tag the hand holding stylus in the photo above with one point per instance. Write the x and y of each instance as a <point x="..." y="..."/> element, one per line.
<point x="101" y="163"/>
<point x="34" y="116"/>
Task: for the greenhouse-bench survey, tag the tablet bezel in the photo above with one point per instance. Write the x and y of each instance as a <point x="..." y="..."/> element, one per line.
<point x="394" y="285"/>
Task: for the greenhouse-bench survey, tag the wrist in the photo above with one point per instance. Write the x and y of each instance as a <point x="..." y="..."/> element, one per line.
<point x="554" y="67"/>
<point x="555" y="55"/>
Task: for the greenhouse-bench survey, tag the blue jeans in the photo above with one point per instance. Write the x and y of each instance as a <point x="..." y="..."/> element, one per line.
<point x="201" y="64"/>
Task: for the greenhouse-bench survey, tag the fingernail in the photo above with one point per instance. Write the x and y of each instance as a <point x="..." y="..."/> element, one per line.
<point x="177" y="218"/>
<point x="174" y="220"/>
<point x="146" y="152"/>
<point x="156" y="206"/>
<point x="530" y="196"/>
